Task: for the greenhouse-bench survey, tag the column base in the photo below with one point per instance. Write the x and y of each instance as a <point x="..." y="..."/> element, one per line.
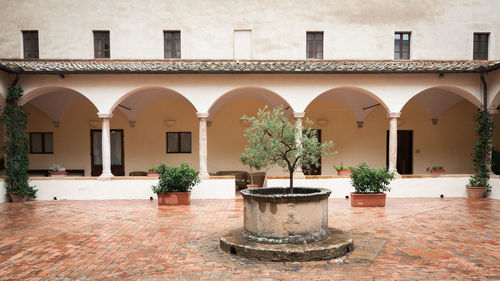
<point x="204" y="176"/>
<point x="105" y="176"/>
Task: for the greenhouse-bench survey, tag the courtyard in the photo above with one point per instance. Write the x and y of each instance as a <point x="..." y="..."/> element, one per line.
<point x="409" y="239"/>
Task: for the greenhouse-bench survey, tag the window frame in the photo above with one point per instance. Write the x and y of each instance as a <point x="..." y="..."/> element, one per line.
<point x="487" y="34"/>
<point x="34" y="48"/>
<point x="401" y="33"/>
<point x="103" y="43"/>
<point x="315" y="49"/>
<point x="179" y="144"/>
<point x="43" y="142"/>
<point x="173" y="51"/>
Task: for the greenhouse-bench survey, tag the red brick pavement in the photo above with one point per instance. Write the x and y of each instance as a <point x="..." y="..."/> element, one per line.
<point x="426" y="239"/>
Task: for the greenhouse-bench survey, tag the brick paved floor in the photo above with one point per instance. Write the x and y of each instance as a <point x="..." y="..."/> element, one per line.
<point x="425" y="239"/>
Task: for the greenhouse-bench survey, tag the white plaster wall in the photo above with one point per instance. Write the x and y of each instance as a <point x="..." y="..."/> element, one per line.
<point x="353" y="29"/>
<point x="3" y="192"/>
<point x="495" y="188"/>
<point x="124" y="189"/>
<point x="407" y="187"/>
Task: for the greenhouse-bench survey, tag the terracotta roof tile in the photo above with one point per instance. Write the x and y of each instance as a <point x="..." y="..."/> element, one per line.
<point x="246" y="66"/>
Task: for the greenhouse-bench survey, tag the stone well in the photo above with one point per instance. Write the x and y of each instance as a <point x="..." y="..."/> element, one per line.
<point x="284" y="226"/>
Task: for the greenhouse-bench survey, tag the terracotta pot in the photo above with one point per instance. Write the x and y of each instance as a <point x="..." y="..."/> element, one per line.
<point x="252" y="185"/>
<point x="438" y="172"/>
<point x="152" y="174"/>
<point x="174" y="198"/>
<point x="475" y="192"/>
<point x="368" y="199"/>
<point x="17" y="199"/>
<point x="58" y="174"/>
<point x="344" y="172"/>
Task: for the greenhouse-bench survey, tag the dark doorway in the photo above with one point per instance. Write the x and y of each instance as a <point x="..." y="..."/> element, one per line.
<point x="316" y="170"/>
<point x="404" y="163"/>
<point x="117" y="153"/>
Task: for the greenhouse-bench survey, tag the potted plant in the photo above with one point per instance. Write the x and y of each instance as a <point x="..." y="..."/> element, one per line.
<point x="253" y="159"/>
<point x="16" y="147"/>
<point x="369" y="186"/>
<point x="175" y="184"/>
<point x="481" y="157"/>
<point x="57" y="171"/>
<point x="153" y="172"/>
<point x="438" y="170"/>
<point x="341" y="170"/>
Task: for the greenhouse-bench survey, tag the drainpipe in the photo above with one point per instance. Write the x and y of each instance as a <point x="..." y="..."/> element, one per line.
<point x="485" y="92"/>
<point x="14" y="83"/>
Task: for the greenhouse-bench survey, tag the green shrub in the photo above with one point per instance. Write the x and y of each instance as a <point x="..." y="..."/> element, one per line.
<point x="369" y="180"/>
<point x="482" y="149"/>
<point x="176" y="179"/>
<point x="437" y="168"/>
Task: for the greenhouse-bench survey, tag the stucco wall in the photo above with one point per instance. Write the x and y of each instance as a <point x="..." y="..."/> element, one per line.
<point x="353" y="29"/>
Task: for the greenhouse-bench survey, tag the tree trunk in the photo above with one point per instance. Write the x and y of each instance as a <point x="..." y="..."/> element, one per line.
<point x="291" y="181"/>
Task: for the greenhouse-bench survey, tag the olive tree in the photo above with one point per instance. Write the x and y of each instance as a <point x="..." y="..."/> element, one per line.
<point x="273" y="139"/>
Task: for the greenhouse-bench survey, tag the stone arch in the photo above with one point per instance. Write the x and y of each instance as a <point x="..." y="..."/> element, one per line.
<point x="358" y="100"/>
<point x="270" y="97"/>
<point x="495" y="102"/>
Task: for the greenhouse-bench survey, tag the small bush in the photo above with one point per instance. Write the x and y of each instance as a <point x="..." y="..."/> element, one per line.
<point x="369" y="180"/>
<point x="176" y="179"/>
<point x="437" y="168"/>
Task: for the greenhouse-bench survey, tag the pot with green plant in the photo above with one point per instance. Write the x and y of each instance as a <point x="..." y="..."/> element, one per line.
<point x="253" y="160"/>
<point x="16" y="147"/>
<point x="481" y="157"/>
<point x="370" y="185"/>
<point x="341" y="170"/>
<point x="153" y="172"/>
<point x="438" y="170"/>
<point x="57" y="171"/>
<point x="175" y="184"/>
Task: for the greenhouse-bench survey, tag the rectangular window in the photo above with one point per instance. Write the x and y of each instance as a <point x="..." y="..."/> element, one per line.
<point x="402" y="45"/>
<point x="41" y="143"/>
<point x="172" y="44"/>
<point x="30" y="44"/>
<point x="101" y="44"/>
<point x="178" y="142"/>
<point x="480" y="46"/>
<point x="314" y="45"/>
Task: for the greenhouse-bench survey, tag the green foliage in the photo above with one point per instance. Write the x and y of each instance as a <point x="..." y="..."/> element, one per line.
<point x="437" y="168"/>
<point x="495" y="162"/>
<point x="482" y="149"/>
<point x="153" y="169"/>
<point x="369" y="180"/>
<point x="176" y="179"/>
<point x="341" y="167"/>
<point x="57" y="168"/>
<point x="16" y="145"/>
<point x="273" y="139"/>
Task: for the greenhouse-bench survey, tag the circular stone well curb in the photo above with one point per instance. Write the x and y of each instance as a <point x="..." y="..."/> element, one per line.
<point x="336" y="245"/>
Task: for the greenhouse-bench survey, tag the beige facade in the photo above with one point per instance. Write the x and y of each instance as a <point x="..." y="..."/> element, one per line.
<point x="435" y="98"/>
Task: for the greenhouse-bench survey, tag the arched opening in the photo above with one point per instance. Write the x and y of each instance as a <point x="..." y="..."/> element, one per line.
<point x="441" y="122"/>
<point x="226" y="140"/>
<point x="356" y="120"/>
<point x="151" y="125"/>
<point x="58" y="125"/>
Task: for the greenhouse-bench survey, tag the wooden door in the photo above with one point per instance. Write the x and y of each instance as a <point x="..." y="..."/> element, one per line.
<point x="117" y="152"/>
<point x="404" y="164"/>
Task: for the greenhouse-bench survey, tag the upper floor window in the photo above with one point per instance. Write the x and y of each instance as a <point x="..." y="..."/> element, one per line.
<point x="314" y="46"/>
<point x="41" y="143"/>
<point x="30" y="44"/>
<point x="101" y="44"/>
<point x="402" y="45"/>
<point x="480" y="46"/>
<point x="172" y="44"/>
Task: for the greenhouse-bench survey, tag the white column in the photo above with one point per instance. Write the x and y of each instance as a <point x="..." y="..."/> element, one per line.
<point x="298" y="123"/>
<point x="106" y="146"/>
<point x="393" y="140"/>
<point x="203" y="145"/>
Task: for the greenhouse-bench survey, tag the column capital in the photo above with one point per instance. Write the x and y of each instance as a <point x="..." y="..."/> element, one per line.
<point x="202" y="115"/>
<point x="299" y="114"/>
<point x="394" y="114"/>
<point x="105" y="115"/>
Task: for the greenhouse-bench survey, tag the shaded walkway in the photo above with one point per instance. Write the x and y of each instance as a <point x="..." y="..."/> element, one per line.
<point x="136" y="239"/>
